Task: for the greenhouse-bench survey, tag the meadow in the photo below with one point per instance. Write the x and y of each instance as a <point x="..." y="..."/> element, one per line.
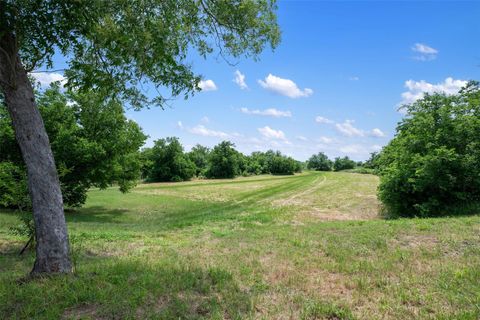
<point x="308" y="246"/>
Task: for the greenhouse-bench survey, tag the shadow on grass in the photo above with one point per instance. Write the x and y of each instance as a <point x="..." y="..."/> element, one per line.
<point x="94" y="214"/>
<point x="125" y="289"/>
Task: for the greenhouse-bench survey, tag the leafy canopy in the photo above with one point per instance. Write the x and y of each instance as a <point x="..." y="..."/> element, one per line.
<point x="432" y="166"/>
<point x="112" y="46"/>
<point x="344" y="163"/>
<point x="224" y="161"/>
<point x="168" y="161"/>
<point x="320" y="162"/>
<point x="92" y="141"/>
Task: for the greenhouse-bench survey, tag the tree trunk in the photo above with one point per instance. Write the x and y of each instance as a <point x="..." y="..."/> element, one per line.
<point x="52" y="247"/>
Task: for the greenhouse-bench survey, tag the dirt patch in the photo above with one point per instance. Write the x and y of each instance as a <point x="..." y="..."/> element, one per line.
<point x="415" y="241"/>
<point x="87" y="311"/>
<point x="337" y="215"/>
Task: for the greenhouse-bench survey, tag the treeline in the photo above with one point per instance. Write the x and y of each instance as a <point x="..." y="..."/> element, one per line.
<point x="167" y="161"/>
<point x="321" y="162"/>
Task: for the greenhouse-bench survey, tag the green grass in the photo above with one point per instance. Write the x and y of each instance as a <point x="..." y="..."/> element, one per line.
<point x="309" y="246"/>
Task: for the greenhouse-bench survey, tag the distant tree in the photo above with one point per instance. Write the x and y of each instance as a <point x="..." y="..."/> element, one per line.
<point x="93" y="143"/>
<point x="281" y="165"/>
<point x="223" y="161"/>
<point x="343" y="164"/>
<point x="372" y="162"/>
<point x="320" y="162"/>
<point x="199" y="155"/>
<point x="169" y="162"/>
<point x="110" y="46"/>
<point x="146" y="162"/>
<point x="432" y="165"/>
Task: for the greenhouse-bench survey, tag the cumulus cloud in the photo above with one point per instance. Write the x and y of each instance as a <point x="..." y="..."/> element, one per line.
<point x="377" y="133"/>
<point x="285" y="87"/>
<point x="207" y="85"/>
<point x="240" y="80"/>
<point x="271" y="112"/>
<point x="301" y="138"/>
<point x="325" y="140"/>
<point x="347" y="129"/>
<point x="320" y="119"/>
<point x="417" y="89"/>
<point x="46" y="78"/>
<point x="424" y="52"/>
<point x="270" y="133"/>
<point x="361" y="150"/>
<point x="201" y="130"/>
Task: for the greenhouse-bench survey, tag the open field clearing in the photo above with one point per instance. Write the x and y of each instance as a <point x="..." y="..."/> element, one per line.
<point x="309" y="246"/>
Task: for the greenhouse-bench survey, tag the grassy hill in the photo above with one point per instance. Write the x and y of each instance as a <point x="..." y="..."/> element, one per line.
<point x="309" y="246"/>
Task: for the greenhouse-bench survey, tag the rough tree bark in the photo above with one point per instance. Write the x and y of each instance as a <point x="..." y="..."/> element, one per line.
<point x="52" y="246"/>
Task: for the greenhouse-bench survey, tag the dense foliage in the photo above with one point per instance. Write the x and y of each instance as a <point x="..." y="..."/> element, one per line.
<point x="432" y="166"/>
<point x="344" y="163"/>
<point x="224" y="161"/>
<point x="92" y="141"/>
<point x="114" y="45"/>
<point x="319" y="162"/>
<point x="199" y="155"/>
<point x="168" y="161"/>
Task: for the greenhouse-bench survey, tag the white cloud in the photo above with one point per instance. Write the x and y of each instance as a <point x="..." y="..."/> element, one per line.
<point x="270" y="133"/>
<point x="376" y="148"/>
<point x="417" y="89"/>
<point x="207" y="85"/>
<point x="201" y="130"/>
<point x="285" y="87"/>
<point x="301" y="138"/>
<point x="424" y="52"/>
<point x="240" y="80"/>
<point x="320" y="119"/>
<point x="179" y="124"/>
<point x="359" y="149"/>
<point x="354" y="78"/>
<point x="205" y="120"/>
<point x="347" y="129"/>
<point x="377" y="133"/>
<point x="46" y="78"/>
<point x="271" y="112"/>
<point x="325" y="140"/>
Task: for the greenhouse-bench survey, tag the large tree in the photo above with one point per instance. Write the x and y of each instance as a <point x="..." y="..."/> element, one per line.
<point x="110" y="47"/>
<point x="93" y="143"/>
<point x="432" y="165"/>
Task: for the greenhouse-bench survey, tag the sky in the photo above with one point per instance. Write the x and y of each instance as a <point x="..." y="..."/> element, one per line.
<point x="333" y="85"/>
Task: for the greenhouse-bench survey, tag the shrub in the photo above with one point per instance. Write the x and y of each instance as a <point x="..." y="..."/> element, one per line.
<point x="343" y="164"/>
<point x="13" y="187"/>
<point x="319" y="162"/>
<point x="223" y="161"/>
<point x="432" y="166"/>
<point x="168" y="162"/>
<point x="93" y="143"/>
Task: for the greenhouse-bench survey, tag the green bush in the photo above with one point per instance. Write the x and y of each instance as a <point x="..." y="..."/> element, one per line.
<point x="319" y="162"/>
<point x="224" y="161"/>
<point x="93" y="143"/>
<point x="168" y="162"/>
<point x="343" y="164"/>
<point x="432" y="166"/>
<point x="13" y="187"/>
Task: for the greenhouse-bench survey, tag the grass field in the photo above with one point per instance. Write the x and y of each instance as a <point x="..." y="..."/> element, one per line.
<point x="310" y="246"/>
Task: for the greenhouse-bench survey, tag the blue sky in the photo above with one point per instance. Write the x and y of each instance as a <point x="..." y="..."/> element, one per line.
<point x="335" y="81"/>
